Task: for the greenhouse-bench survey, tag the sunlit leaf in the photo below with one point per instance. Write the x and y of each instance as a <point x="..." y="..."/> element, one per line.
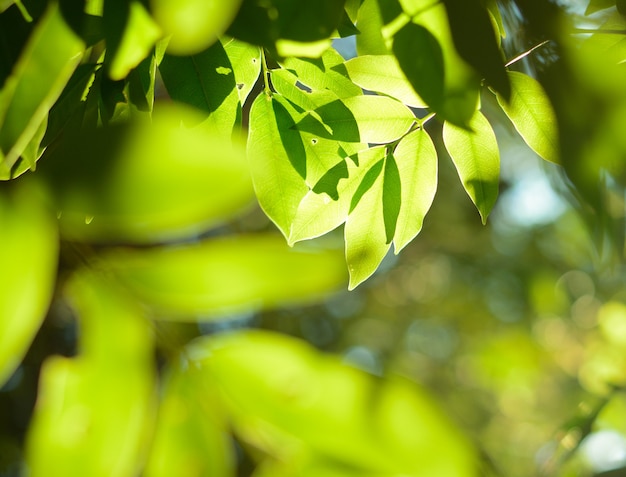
<point x="28" y="253"/>
<point x="286" y="83"/>
<point x="246" y="63"/>
<point x="207" y="82"/>
<point x="417" y="163"/>
<point x="531" y="113"/>
<point x="29" y="93"/>
<point x="367" y="119"/>
<point x="291" y="401"/>
<point x="382" y="74"/>
<point x="131" y="35"/>
<point x="194" y="25"/>
<point x="228" y="275"/>
<point x="477" y="160"/>
<point x="93" y="411"/>
<point x="370" y="40"/>
<point x="475" y="40"/>
<point x="277" y="159"/>
<point x="323" y="73"/>
<point x="318" y="212"/>
<point x="191" y="436"/>
<point x="147" y="182"/>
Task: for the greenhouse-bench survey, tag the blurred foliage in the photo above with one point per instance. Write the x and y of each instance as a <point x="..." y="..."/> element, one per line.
<point x="154" y="322"/>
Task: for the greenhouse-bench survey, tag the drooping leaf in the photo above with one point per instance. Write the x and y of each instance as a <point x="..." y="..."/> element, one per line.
<point x="475" y="40"/>
<point x="531" y="113"/>
<point x="318" y="213"/>
<point x="130" y="35"/>
<point x="264" y="22"/>
<point x="246" y="63"/>
<point x="277" y="159"/>
<point x="367" y="119"/>
<point x="194" y="25"/>
<point x="93" y="411"/>
<point x="228" y="275"/>
<point x="325" y="73"/>
<point x="191" y="435"/>
<point x="28" y="251"/>
<point x="207" y="82"/>
<point x="146" y="182"/>
<point x="494" y="12"/>
<point x="140" y="84"/>
<point x="369" y="223"/>
<point x="417" y="163"/>
<point x="311" y="409"/>
<point x="382" y="74"/>
<point x="477" y="160"/>
<point x="370" y="40"/>
<point x="28" y="94"/>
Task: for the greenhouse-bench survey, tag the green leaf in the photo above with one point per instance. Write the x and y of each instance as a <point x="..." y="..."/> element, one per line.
<point x="323" y="73"/>
<point x="373" y="216"/>
<point x="28" y="94"/>
<point x="130" y="35"/>
<point x="226" y="275"/>
<point x="93" y="412"/>
<point x="477" y="160"/>
<point x="28" y="251"/>
<point x="531" y="113"/>
<point x="370" y="40"/>
<point x="207" y="82"/>
<point x="382" y="74"/>
<point x="194" y="25"/>
<point x="277" y="159"/>
<point x="417" y="163"/>
<point x="367" y="119"/>
<point x="246" y="63"/>
<point x="597" y="5"/>
<point x="475" y="40"/>
<point x="146" y="182"/>
<point x="308" y="405"/>
<point x="264" y="22"/>
<point x="286" y="84"/>
<point x="318" y="212"/>
<point x="191" y="436"/>
<point x="426" y="70"/>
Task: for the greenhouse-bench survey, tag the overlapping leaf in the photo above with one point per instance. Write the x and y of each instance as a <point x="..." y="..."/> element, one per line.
<point x="477" y="160"/>
<point x="246" y="64"/>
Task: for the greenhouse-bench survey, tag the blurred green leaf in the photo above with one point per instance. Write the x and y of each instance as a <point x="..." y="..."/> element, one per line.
<point x="246" y="63"/>
<point x="45" y="65"/>
<point x="292" y="402"/>
<point x="319" y="213"/>
<point x="531" y="113"/>
<point x="475" y="40"/>
<point x="277" y="159"/>
<point x="366" y="119"/>
<point x="597" y="5"/>
<point x="417" y="163"/>
<point x="477" y="160"/>
<point x="93" y="411"/>
<point x="382" y="74"/>
<point x="194" y="25"/>
<point x="191" y="437"/>
<point x="227" y="275"/>
<point x="28" y="253"/>
<point x="147" y="182"/>
<point x="206" y="81"/>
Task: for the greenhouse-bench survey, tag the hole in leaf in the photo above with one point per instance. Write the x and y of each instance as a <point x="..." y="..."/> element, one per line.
<point x="303" y="87"/>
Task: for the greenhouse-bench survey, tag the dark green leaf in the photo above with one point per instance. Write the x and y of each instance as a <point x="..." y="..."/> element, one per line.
<point x="392" y="196"/>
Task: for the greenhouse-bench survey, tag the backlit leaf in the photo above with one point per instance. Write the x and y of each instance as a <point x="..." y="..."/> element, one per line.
<point x="382" y="74"/>
<point x="277" y="159"/>
<point x="28" y="251"/>
<point x="367" y="119"/>
<point x="246" y="63"/>
<point x="28" y="94"/>
<point x="477" y="160"/>
<point x="228" y="275"/>
<point x="531" y="113"/>
<point x="417" y="163"/>
<point x="370" y="40"/>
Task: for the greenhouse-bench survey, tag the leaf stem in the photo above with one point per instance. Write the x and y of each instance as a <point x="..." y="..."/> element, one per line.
<point x="266" y="72"/>
<point x="526" y="53"/>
